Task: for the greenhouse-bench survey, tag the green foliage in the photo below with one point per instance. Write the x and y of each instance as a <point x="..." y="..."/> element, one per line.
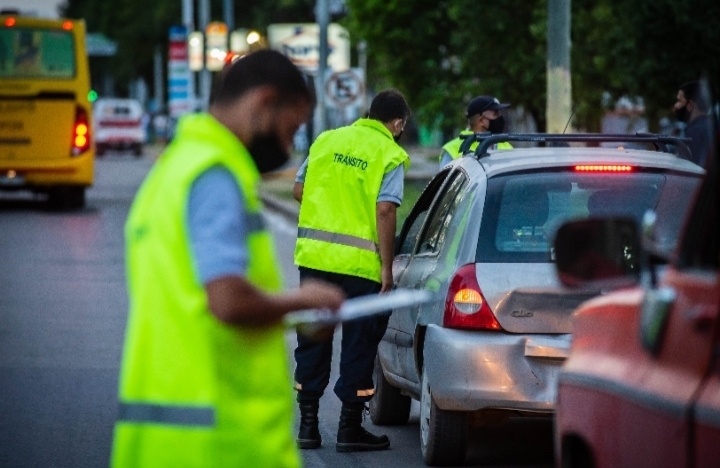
<point x="442" y="53"/>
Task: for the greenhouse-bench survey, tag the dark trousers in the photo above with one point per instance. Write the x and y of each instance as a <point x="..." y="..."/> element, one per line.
<point x="360" y="340"/>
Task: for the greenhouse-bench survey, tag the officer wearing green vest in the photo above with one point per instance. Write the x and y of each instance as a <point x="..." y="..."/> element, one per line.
<point x="483" y="115"/>
<point x="348" y="190"/>
<point x="205" y="380"/>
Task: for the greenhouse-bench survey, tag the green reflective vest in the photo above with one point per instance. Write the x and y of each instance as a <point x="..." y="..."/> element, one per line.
<point x="452" y="147"/>
<point x="337" y="228"/>
<point x="195" y="392"/>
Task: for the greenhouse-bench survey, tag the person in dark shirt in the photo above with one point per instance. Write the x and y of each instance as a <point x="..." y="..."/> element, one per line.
<point x="692" y="107"/>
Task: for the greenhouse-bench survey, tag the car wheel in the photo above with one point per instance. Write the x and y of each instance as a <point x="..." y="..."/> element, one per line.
<point x="138" y="151"/>
<point x="388" y="407"/>
<point x="443" y="434"/>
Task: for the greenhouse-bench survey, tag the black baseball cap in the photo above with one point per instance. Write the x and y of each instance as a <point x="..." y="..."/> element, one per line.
<point x="482" y="103"/>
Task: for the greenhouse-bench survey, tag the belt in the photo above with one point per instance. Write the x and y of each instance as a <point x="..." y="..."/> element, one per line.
<point x="335" y="238"/>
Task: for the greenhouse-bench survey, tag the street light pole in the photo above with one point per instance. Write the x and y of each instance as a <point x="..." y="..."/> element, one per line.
<point x="559" y="96"/>
<point x="188" y="20"/>
<point x="205" y="77"/>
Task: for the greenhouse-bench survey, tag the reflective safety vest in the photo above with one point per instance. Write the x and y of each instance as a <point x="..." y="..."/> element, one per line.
<point x="195" y="392"/>
<point x="337" y="229"/>
<point x="452" y="147"/>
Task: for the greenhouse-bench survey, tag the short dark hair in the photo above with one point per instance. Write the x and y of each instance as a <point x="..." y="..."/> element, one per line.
<point x="389" y="105"/>
<point x="262" y="68"/>
<point x="695" y="92"/>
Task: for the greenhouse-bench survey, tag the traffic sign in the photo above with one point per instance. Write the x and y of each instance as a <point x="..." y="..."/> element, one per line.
<point x="179" y="96"/>
<point x="216" y="45"/>
<point x="344" y="88"/>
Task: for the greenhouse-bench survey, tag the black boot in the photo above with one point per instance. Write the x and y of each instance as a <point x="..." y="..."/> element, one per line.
<point x="309" y="434"/>
<point x="352" y="437"/>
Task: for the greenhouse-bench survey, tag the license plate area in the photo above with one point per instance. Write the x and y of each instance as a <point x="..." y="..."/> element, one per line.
<point x="11" y="179"/>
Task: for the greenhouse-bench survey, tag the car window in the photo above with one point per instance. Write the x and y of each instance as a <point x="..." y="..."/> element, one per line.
<point x="442" y="215"/>
<point x="415" y="220"/>
<point x="523" y="211"/>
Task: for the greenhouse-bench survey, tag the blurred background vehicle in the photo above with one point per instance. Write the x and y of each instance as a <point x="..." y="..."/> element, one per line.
<point x="45" y="135"/>
<point x="480" y="236"/>
<point x="641" y="385"/>
<point x="119" y="126"/>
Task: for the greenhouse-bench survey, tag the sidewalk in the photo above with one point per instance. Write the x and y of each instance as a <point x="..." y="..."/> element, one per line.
<point x="276" y="190"/>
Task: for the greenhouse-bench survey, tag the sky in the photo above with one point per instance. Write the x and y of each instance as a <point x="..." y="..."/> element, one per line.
<point x="41" y="8"/>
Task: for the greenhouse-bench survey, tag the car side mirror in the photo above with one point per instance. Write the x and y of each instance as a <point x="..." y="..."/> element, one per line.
<point x="598" y="253"/>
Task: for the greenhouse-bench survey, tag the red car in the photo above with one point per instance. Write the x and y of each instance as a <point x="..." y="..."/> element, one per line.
<point x="641" y="387"/>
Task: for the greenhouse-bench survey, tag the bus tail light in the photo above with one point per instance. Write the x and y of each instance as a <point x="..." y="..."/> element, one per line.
<point x="465" y="305"/>
<point x="81" y="132"/>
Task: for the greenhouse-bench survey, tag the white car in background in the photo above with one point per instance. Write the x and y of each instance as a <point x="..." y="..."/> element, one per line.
<point x="119" y="126"/>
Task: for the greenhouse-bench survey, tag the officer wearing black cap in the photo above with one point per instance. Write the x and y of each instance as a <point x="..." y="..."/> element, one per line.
<point x="483" y="115"/>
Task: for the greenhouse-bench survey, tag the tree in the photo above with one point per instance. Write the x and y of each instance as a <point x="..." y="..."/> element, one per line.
<point x="442" y="53"/>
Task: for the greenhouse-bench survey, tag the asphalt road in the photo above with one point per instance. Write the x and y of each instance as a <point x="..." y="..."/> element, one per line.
<point x="63" y="308"/>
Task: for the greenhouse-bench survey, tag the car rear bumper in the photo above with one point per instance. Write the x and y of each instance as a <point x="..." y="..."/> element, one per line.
<point x="473" y="370"/>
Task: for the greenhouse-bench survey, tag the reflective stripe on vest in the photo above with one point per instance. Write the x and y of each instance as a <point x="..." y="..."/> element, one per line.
<point x="335" y="238"/>
<point x="166" y="414"/>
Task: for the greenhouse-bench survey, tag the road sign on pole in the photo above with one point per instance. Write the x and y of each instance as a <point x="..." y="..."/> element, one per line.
<point x="344" y="88"/>
<point x="179" y="91"/>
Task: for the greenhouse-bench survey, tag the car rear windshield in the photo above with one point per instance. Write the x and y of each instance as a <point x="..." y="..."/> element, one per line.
<point x="121" y="111"/>
<point x="523" y="211"/>
<point x="36" y="53"/>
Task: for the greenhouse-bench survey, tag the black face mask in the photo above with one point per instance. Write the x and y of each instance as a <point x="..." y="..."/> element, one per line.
<point x="682" y="114"/>
<point x="398" y="136"/>
<point x="268" y="153"/>
<point x="497" y="125"/>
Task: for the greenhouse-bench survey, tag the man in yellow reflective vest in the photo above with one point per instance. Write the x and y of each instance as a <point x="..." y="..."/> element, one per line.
<point x="483" y="115"/>
<point x="348" y="190"/>
<point x="205" y="380"/>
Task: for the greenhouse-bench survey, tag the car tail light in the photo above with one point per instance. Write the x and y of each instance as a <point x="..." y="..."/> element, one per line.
<point x="10" y="22"/>
<point x="465" y="305"/>
<point x="603" y="168"/>
<point x="81" y="132"/>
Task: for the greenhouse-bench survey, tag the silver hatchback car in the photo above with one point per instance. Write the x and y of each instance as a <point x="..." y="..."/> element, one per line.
<point x="480" y="237"/>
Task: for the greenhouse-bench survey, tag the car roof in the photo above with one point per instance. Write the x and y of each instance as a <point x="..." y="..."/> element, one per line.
<point x="520" y="159"/>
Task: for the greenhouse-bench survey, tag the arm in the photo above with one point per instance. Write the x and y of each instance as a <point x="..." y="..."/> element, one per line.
<point x="300" y="181"/>
<point x="386" y="213"/>
<point x="233" y="300"/>
<point x="298" y="191"/>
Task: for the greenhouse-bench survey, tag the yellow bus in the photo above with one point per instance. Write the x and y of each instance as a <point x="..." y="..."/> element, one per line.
<point x="45" y="116"/>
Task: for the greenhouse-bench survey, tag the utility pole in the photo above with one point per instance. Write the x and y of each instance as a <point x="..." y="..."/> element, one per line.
<point x="159" y="90"/>
<point x="362" y="63"/>
<point x="559" y="95"/>
<point x="323" y="16"/>
<point x="229" y="14"/>
<point x="188" y="20"/>
<point x="205" y="77"/>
